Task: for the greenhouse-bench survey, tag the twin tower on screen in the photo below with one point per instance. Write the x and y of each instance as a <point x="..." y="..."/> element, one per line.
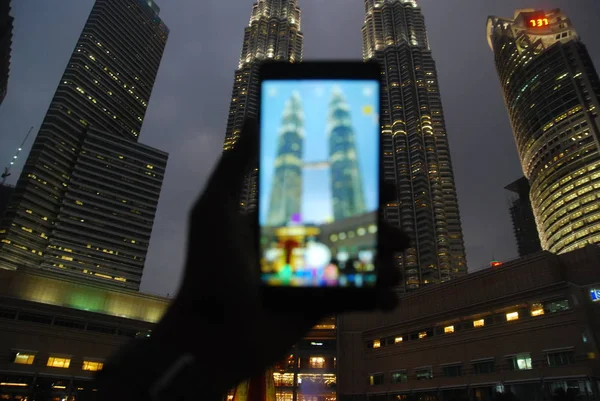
<point x="295" y="153"/>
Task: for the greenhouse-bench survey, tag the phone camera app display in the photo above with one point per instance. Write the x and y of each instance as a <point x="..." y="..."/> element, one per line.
<point x="319" y="182"/>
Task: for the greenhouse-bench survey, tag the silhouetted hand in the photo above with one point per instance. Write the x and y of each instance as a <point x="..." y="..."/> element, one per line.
<point x="218" y="314"/>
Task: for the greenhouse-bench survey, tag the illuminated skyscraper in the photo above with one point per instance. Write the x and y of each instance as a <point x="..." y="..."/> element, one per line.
<point x="416" y="156"/>
<point x="286" y="193"/>
<point x="552" y="92"/>
<point x="273" y="33"/>
<point x="86" y="199"/>
<point x="346" y="181"/>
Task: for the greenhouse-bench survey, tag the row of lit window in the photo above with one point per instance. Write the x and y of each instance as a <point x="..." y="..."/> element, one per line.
<point x="372" y="229"/>
<point x="517" y="362"/>
<point x="536" y="309"/>
<point x="22" y="358"/>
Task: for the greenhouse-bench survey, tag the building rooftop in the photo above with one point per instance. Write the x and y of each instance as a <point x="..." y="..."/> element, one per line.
<point x="39" y="286"/>
<point x="539" y="270"/>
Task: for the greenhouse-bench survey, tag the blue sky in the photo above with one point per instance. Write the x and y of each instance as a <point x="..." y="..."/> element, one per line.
<point x="315" y="95"/>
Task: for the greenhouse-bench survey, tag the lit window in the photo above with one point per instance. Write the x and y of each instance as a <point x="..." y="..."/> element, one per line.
<point x="92" y="366"/>
<point x="57" y="362"/>
<point x="24" y="359"/>
<point x="520" y="362"/>
<point x="397" y="340"/>
<point x="422" y="334"/>
<point x="448" y="329"/>
<point x="537" y="309"/>
<point x="317" y="362"/>
<point x="376" y="379"/>
<point x="478" y="323"/>
<point x="376" y="343"/>
<point x="512" y="316"/>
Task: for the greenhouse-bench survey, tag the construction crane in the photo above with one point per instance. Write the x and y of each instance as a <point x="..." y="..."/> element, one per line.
<point x="6" y="173"/>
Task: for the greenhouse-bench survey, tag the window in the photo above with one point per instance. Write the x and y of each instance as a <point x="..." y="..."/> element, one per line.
<point x="399" y="376"/>
<point x="448" y="329"/>
<point x="537" y="309"/>
<point x="376" y="379"/>
<point x="317" y="362"/>
<point x="23" y="358"/>
<point x="561" y="358"/>
<point x="556" y="306"/>
<point x="93" y="366"/>
<point x="478" y="323"/>
<point x="453" y="371"/>
<point x="424" y="374"/>
<point x="484" y="367"/>
<point x="520" y="362"/>
<point x="397" y="340"/>
<point x="512" y="316"/>
<point x="58" y="362"/>
<point x="376" y="343"/>
<point x="422" y="334"/>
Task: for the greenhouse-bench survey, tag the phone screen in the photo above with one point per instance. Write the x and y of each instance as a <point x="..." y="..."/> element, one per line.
<point x="319" y="182"/>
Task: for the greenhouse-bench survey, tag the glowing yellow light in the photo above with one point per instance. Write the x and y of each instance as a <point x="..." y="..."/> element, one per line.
<point x="367" y="110"/>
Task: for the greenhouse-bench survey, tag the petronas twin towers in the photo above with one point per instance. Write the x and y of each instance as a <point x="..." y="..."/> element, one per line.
<point x="346" y="183"/>
<point x="416" y="156"/>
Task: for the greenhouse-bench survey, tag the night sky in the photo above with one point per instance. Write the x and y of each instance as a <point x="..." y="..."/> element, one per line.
<point x="188" y="109"/>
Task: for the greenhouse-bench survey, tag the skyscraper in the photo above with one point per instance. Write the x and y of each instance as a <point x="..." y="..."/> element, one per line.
<point x="552" y="92"/>
<point x="273" y="33"/>
<point x="86" y="199"/>
<point x="286" y="192"/>
<point x="6" y="28"/>
<point x="528" y="239"/>
<point x="346" y="181"/>
<point x="416" y="156"/>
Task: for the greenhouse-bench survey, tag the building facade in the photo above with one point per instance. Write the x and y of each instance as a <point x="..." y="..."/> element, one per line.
<point x="416" y="156"/>
<point x="528" y="327"/>
<point x="6" y="28"/>
<point x="551" y="90"/>
<point x="273" y="34"/>
<point x="87" y="148"/>
<point x="528" y="239"/>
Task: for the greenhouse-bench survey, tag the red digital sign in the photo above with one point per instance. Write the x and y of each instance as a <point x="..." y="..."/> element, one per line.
<point x="495" y="263"/>
<point x="537" y="20"/>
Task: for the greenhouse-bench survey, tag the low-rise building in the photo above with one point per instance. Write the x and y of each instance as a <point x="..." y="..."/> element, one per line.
<point x="530" y="327"/>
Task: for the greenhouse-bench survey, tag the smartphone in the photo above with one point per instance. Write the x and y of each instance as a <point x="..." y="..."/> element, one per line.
<point x="319" y="179"/>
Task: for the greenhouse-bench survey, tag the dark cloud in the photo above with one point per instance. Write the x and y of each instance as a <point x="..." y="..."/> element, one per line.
<point x="189" y="105"/>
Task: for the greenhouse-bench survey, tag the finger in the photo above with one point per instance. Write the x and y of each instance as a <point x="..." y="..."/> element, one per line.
<point x="235" y="163"/>
<point x="392" y="239"/>
<point x="389" y="273"/>
<point x="388" y="193"/>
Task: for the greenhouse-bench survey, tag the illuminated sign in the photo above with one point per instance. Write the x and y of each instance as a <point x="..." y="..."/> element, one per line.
<point x="595" y="294"/>
<point x="495" y="263"/>
<point x="537" y="20"/>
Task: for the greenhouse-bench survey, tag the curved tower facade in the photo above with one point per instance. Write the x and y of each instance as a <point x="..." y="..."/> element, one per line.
<point x="286" y="193"/>
<point x="273" y="33"/>
<point x="346" y="181"/>
<point x="552" y="91"/>
<point x="416" y="154"/>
